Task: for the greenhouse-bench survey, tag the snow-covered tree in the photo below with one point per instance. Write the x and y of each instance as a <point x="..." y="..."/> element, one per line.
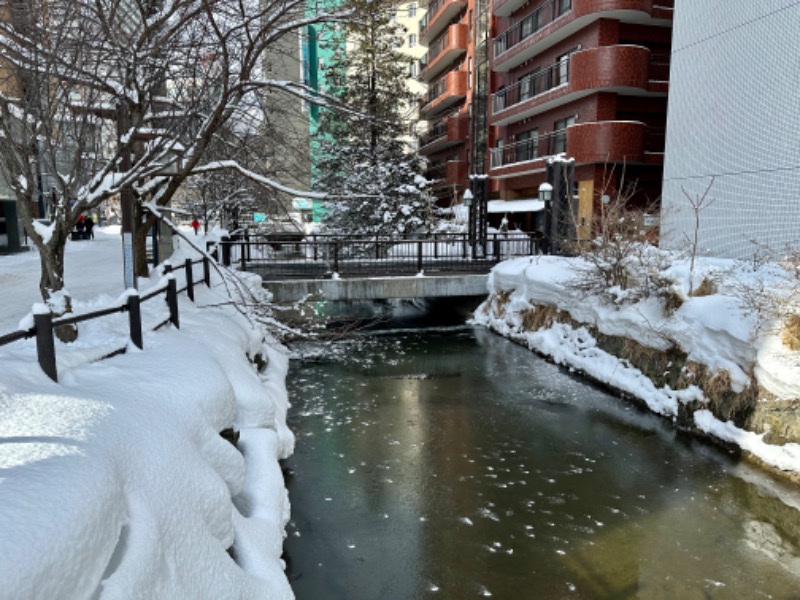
<point x="361" y="159"/>
<point x="100" y="98"/>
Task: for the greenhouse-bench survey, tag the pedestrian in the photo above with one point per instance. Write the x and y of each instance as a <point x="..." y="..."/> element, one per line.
<point x="80" y="226"/>
<point x="195" y="225"/>
<point x="89" y="224"/>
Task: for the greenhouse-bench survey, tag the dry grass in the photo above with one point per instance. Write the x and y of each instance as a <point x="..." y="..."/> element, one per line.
<point x="672" y="302"/>
<point x="543" y="317"/>
<point x="707" y="287"/>
<point x="791" y="332"/>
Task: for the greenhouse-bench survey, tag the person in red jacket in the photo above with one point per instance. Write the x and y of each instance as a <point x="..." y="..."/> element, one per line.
<point x="195" y="225"/>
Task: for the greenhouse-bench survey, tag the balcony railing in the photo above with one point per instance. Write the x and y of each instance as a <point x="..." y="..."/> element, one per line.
<point x="452" y="171"/>
<point x="530" y="24"/>
<point x="440" y="13"/>
<point x="438" y="131"/>
<point x="446" y="48"/>
<point x="531" y="86"/>
<point x="539" y="146"/>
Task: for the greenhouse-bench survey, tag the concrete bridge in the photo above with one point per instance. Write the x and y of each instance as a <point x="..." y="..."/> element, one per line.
<point x="378" y="288"/>
<point x="358" y="268"/>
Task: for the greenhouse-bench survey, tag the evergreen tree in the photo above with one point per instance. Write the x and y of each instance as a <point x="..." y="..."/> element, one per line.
<point x="361" y="160"/>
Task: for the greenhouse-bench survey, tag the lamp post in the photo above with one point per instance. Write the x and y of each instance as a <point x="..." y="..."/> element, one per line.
<point x="546" y="196"/>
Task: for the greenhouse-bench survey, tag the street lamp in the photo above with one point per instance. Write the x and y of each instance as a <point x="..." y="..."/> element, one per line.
<point x="546" y="196"/>
<point x="468" y="198"/>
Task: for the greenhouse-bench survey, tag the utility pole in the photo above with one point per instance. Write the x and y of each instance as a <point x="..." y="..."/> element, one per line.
<point x="127" y="202"/>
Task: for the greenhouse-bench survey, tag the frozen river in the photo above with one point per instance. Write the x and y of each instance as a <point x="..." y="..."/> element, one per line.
<point x="455" y="464"/>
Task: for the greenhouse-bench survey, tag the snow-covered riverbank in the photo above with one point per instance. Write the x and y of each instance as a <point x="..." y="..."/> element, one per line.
<point x="707" y="341"/>
<point x="115" y="482"/>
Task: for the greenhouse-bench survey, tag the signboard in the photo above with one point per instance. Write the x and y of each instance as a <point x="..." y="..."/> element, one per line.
<point x="302" y="204"/>
<point x="259" y="217"/>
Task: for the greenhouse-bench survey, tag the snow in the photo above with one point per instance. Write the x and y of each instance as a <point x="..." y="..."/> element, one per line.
<point x="719" y="330"/>
<point x="115" y="482"/>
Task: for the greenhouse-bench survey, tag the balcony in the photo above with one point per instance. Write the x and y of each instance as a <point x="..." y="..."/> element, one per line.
<point x="447" y="91"/>
<point x="556" y="20"/>
<point x="528" y="155"/>
<point x="448" y="173"/>
<point x="439" y="15"/>
<point x="618" y="69"/>
<point x="449" y="46"/>
<point x="607" y="141"/>
<point x="448" y="132"/>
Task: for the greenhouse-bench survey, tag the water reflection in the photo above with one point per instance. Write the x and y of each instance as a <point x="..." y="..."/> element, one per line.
<point x="456" y="464"/>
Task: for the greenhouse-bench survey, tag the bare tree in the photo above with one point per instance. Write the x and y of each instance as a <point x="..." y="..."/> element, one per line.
<point x="698" y="204"/>
<point x="100" y="98"/>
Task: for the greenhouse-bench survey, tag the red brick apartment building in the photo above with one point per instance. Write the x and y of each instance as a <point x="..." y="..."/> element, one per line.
<point x="585" y="77"/>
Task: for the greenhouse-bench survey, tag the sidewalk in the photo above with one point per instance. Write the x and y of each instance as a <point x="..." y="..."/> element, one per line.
<point x="93" y="276"/>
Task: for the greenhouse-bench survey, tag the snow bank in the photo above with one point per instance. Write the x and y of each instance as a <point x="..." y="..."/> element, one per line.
<point x="115" y="482"/>
<point x="715" y="330"/>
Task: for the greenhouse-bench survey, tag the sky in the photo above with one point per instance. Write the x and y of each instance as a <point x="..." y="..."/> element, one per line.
<point x="115" y="482"/>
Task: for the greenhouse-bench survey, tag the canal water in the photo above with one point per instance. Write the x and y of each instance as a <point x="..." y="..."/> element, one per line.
<point x="454" y="464"/>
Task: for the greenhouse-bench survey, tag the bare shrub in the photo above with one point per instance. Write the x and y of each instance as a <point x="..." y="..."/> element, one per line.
<point x="791" y="332"/>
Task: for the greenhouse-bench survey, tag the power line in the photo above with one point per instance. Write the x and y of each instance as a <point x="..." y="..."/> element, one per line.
<point x="731" y="173"/>
<point x="739" y="26"/>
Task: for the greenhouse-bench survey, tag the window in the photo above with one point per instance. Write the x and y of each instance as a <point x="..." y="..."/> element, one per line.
<point x="393" y="15"/>
<point x="562" y="69"/>
<point x="564" y="6"/>
<point x="413" y="69"/>
<point x="528" y="85"/>
<point x="560" y="138"/>
<point x="412" y="40"/>
<point x="528" y="25"/>
<point x="412" y="10"/>
<point x="527" y="146"/>
<point x="469" y="72"/>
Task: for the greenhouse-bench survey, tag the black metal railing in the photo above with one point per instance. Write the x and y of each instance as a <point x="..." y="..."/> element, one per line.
<point x="530" y="24"/>
<point x="532" y="85"/>
<point x="320" y="257"/>
<point x="44" y="324"/>
<point x="534" y="148"/>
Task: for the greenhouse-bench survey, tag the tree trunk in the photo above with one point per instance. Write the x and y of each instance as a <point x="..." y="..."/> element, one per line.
<point x="51" y="282"/>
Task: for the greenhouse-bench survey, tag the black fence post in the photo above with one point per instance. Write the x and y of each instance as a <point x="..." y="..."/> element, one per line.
<point x="245" y="252"/>
<point x="496" y="247"/>
<point x="189" y="279"/>
<point x="226" y="251"/>
<point x="135" y="320"/>
<point x="435" y="246"/>
<point x="336" y="257"/>
<point x="167" y="268"/>
<point x="45" y="344"/>
<point x="215" y="254"/>
<point x="172" y="301"/>
<point x="207" y="271"/>
<point x="419" y="256"/>
<point x="316" y="247"/>
<point x="247" y="242"/>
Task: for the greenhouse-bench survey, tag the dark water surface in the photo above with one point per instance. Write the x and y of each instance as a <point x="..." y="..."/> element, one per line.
<point x="455" y="464"/>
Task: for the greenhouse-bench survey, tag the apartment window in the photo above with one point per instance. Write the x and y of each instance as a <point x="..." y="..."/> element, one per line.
<point x="528" y="25"/>
<point x="527" y="146"/>
<point x="562" y="69"/>
<point x="469" y="72"/>
<point x="412" y="10"/>
<point x="564" y="6"/>
<point x="413" y="69"/>
<point x="527" y="85"/>
<point x="560" y="138"/>
<point x="412" y="40"/>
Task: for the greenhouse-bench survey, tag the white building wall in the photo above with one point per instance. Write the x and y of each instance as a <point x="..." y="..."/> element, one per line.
<point x="734" y="118"/>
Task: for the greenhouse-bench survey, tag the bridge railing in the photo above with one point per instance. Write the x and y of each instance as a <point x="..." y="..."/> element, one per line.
<point x="322" y="256"/>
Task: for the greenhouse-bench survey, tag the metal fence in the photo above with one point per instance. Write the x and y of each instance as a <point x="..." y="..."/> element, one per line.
<point x="44" y="324"/>
<point x="319" y="257"/>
